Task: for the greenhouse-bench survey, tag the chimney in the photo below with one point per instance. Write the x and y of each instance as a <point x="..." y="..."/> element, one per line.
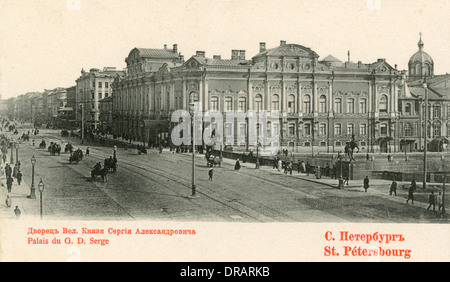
<point x="181" y="58"/>
<point x="175" y="48"/>
<point x="235" y="54"/>
<point x="381" y="60"/>
<point x="359" y="64"/>
<point x="262" y="47"/>
<point x="217" y="57"/>
<point x="241" y="54"/>
<point x="200" y="54"/>
<point x="165" y="46"/>
<point x="282" y="42"/>
<point x="348" y="55"/>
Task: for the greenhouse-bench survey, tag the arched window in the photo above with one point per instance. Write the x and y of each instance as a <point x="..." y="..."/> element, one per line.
<point x="408" y="109"/>
<point x="258" y="102"/>
<point x="214" y="103"/>
<point x="228" y="103"/>
<point x="418" y="69"/>
<point x="350" y="105"/>
<point x="275" y="102"/>
<point x="322" y="104"/>
<point x="337" y="129"/>
<point x="437" y="111"/>
<point x="363" y="105"/>
<point x="338" y="105"/>
<point x="193" y="97"/>
<point x="291" y="104"/>
<point x="383" y="103"/>
<point x="437" y="129"/>
<point x="307" y="104"/>
<point x="242" y="106"/>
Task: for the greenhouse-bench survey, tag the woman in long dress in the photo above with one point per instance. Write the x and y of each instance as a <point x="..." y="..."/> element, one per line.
<point x="237" y="166"/>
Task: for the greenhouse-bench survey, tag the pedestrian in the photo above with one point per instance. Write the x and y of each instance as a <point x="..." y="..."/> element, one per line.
<point x="303" y="167"/>
<point x="308" y="166"/>
<point x="280" y="165"/>
<point x="299" y="164"/>
<point x="411" y="191"/>
<point x="431" y="201"/>
<point x="210" y="173"/>
<point x="8" y="201"/>
<point x="333" y="172"/>
<point x="8" y="171"/>
<point x="17" y="211"/>
<point x="290" y="168"/>
<point x="87" y="151"/>
<point x="366" y="183"/>
<point x="19" y="177"/>
<point x="393" y="188"/>
<point x="9" y="182"/>
<point x="439" y="198"/>
<point x="237" y="166"/>
<point x="318" y="173"/>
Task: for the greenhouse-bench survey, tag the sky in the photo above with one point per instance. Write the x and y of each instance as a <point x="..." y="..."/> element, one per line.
<point x="44" y="44"/>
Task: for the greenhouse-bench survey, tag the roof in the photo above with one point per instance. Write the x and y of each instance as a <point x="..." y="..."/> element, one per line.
<point x="162" y="53"/>
<point x="420" y="56"/>
<point x="289" y="50"/>
<point x="331" y="58"/>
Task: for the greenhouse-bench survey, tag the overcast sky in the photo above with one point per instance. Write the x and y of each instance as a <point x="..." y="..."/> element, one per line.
<point x="44" y="44"/>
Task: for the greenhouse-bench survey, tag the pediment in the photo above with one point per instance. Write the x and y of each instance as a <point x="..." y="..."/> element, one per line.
<point x="292" y="50"/>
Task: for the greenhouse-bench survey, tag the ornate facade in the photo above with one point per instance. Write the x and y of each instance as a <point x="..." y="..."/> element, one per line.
<point x="322" y="103"/>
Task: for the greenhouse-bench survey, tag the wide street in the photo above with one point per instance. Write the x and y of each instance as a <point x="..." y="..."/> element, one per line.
<point x="158" y="187"/>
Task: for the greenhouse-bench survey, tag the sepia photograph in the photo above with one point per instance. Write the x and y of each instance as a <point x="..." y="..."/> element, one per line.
<point x="228" y="124"/>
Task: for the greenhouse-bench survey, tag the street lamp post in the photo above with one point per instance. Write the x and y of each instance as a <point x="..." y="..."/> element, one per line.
<point x="41" y="189"/>
<point x="341" y="180"/>
<point x="11" y="160"/>
<point x="193" y="150"/>
<point x="32" y="193"/>
<point x="17" y="153"/>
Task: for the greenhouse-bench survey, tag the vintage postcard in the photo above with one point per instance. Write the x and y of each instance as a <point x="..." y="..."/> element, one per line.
<point x="224" y="131"/>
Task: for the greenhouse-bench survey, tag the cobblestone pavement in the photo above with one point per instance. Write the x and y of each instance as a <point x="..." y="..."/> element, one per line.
<point x="158" y="187"/>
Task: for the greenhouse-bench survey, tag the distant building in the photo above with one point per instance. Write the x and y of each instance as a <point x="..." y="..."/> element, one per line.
<point x="91" y="87"/>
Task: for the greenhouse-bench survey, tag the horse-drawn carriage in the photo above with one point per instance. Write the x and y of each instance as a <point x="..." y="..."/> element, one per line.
<point x="54" y="149"/>
<point x="102" y="172"/>
<point x="42" y="145"/>
<point x="76" y="156"/>
<point x="111" y="164"/>
<point x="68" y="148"/>
<point x="142" y="150"/>
<point x="213" y="161"/>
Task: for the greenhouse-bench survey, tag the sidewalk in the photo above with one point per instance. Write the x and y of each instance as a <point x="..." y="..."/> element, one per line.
<point x="28" y="207"/>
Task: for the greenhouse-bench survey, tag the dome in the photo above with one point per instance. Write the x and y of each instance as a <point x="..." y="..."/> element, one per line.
<point x="420" y="64"/>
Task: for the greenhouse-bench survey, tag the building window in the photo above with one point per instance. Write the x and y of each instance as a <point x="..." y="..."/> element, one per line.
<point x="322" y="104"/>
<point x="351" y="105"/>
<point x="383" y="129"/>
<point x="100" y="95"/>
<point x="291" y="129"/>
<point x="228" y="104"/>
<point x="99" y="84"/>
<point x="291" y="104"/>
<point x="383" y="104"/>
<point x="408" y="130"/>
<point x="215" y="103"/>
<point x="307" y="104"/>
<point x="193" y="97"/>
<point x="307" y="131"/>
<point x="337" y="143"/>
<point x="228" y="128"/>
<point x="106" y="85"/>
<point x="275" y="102"/>
<point x="338" y="105"/>
<point x="322" y="129"/>
<point x="323" y="144"/>
<point x="437" y="129"/>
<point x="408" y="109"/>
<point x="437" y="111"/>
<point x="362" y="129"/>
<point x="93" y="84"/>
<point x="363" y="106"/>
<point x="350" y="129"/>
<point x="242" y="106"/>
<point x="258" y="102"/>
<point x="337" y="129"/>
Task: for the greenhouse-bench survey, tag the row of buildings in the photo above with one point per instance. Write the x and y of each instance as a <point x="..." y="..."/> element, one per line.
<point x="322" y="103"/>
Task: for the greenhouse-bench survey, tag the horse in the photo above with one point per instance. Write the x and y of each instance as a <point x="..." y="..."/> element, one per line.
<point x="349" y="148"/>
<point x="42" y="145"/>
<point x="76" y="157"/>
<point x="111" y="164"/>
<point x="54" y="149"/>
<point x="100" y="172"/>
<point x="213" y="161"/>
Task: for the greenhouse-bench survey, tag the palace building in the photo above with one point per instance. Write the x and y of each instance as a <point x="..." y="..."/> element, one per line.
<point x="322" y="103"/>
